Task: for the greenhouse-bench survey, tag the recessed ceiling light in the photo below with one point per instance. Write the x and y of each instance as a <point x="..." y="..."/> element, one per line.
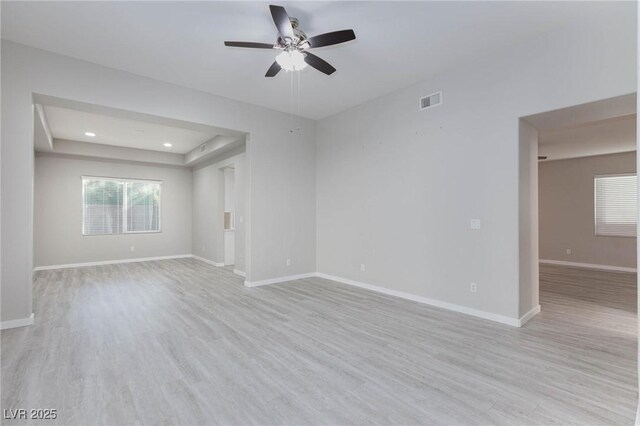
<point x="168" y="145"/>
<point x="89" y="134"/>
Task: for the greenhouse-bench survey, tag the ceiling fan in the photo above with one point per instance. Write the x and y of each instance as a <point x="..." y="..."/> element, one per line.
<point x="294" y="45"/>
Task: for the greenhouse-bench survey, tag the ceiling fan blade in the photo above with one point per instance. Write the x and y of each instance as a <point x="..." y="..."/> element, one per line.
<point x="318" y="63"/>
<point x="329" y="39"/>
<point x="273" y="70"/>
<point x="248" y="44"/>
<point x="281" y="19"/>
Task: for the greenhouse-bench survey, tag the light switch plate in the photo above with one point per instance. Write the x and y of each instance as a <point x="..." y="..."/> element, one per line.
<point x="475" y="224"/>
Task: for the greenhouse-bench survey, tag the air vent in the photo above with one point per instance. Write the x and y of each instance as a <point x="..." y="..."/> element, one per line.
<point x="203" y="147"/>
<point x="430" y="101"/>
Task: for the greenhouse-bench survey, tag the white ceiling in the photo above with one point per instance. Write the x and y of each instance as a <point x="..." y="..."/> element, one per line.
<point x="398" y="43"/>
<point x="608" y="136"/>
<point x="72" y="124"/>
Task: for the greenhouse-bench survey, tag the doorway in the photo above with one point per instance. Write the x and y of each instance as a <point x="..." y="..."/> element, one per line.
<point x="578" y="202"/>
<point x="587" y="209"/>
<point x="578" y="220"/>
<point x="570" y="159"/>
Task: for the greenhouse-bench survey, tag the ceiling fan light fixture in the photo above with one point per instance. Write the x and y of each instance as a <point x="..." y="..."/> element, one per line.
<point x="295" y="43"/>
<point x="291" y="60"/>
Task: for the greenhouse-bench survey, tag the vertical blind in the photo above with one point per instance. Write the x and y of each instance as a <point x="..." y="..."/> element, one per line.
<point x="115" y="206"/>
<point x="616" y="205"/>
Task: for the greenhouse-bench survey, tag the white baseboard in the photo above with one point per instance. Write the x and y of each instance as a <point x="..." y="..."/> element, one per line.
<point x="17" y="323"/>
<point x="589" y="265"/>
<point x="109" y="262"/>
<point x="526" y="317"/>
<point x="210" y="262"/>
<point x="279" y="280"/>
<point x="239" y="272"/>
<point x="515" y="322"/>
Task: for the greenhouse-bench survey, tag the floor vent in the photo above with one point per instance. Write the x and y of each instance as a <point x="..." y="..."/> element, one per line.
<point x="430" y="101"/>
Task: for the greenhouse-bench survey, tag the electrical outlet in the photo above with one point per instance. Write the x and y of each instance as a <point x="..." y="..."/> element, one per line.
<point x="473" y="288"/>
<point x="288" y="262"/>
<point x="362" y="268"/>
<point x="241" y="219"/>
<point x="132" y="248"/>
<point x="475" y="224"/>
<point x="568" y="251"/>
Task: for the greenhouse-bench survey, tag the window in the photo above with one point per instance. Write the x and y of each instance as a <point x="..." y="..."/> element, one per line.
<point x="117" y="206"/>
<point x="142" y="206"/>
<point x="616" y="205"/>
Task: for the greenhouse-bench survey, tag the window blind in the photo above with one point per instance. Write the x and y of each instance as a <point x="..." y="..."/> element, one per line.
<point x="102" y="206"/>
<point x="142" y="206"/>
<point x="616" y="205"/>
<point x="115" y="206"/>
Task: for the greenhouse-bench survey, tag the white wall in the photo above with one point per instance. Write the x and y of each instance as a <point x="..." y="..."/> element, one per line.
<point x="229" y="234"/>
<point x="42" y="139"/>
<point x="528" y="216"/>
<point x="229" y="195"/>
<point x="240" y="191"/>
<point x="208" y="204"/>
<point x="110" y="152"/>
<point x="270" y="149"/>
<point x="397" y="187"/>
<point x="58" y="238"/>
<point x="440" y="167"/>
<point x="567" y="218"/>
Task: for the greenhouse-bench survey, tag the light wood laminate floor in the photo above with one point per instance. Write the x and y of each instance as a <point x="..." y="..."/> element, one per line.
<point x="183" y="342"/>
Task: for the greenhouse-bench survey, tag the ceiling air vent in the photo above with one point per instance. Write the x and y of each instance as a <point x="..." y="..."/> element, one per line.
<point x="432" y="100"/>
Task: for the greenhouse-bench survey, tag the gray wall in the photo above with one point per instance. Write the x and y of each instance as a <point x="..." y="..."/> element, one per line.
<point x="397" y="187"/>
<point x="58" y="238"/>
<point x="567" y="211"/>
<point x="270" y="149"/>
<point x="208" y="203"/>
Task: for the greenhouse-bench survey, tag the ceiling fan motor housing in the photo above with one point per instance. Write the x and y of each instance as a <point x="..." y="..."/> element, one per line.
<point x="300" y="39"/>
